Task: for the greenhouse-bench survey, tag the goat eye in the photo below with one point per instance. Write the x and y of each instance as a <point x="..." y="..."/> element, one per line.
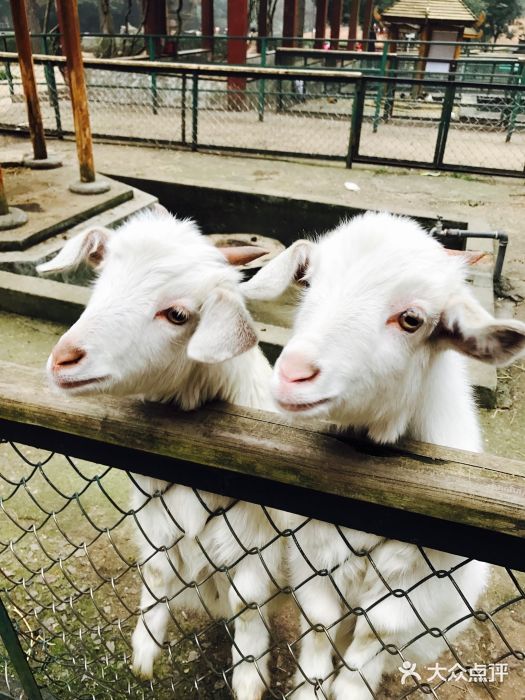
<point x="410" y="320"/>
<point x="176" y="315"/>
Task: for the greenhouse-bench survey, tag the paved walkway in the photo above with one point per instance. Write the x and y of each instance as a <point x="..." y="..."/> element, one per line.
<point x="487" y="203"/>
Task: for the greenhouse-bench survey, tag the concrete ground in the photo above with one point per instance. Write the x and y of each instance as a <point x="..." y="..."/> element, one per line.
<point x="487" y="203"/>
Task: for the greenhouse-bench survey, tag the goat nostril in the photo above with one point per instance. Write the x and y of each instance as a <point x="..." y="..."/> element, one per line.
<point x="295" y="371"/>
<point x="67" y="357"/>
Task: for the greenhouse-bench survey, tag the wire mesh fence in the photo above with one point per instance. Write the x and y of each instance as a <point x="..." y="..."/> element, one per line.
<point x="429" y="123"/>
<point x="77" y="547"/>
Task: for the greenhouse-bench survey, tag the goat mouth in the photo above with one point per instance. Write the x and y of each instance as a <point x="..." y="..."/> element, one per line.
<point x="65" y="383"/>
<point x="298" y="407"/>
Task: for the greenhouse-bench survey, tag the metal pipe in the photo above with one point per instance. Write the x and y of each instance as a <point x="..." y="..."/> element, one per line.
<point x="499" y="236"/>
<point x="23" y="45"/>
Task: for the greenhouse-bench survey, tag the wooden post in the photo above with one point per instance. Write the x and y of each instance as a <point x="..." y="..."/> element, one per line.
<point x="79" y="102"/>
<point x="335" y="23"/>
<point x="320" y="23"/>
<point x="367" y="22"/>
<point x="10" y="217"/>
<point x="236" y="50"/>
<point x="353" y="21"/>
<point x="27" y="71"/>
<point x="262" y="23"/>
<point x="154" y="21"/>
<point x="4" y="207"/>
<point x="289" y="22"/>
<point x="207" y="24"/>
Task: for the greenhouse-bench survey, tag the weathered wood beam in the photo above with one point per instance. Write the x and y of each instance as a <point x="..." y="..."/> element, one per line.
<point x="262" y="20"/>
<point x="236" y="50"/>
<point x="155" y="21"/>
<point x="460" y="502"/>
<point x="367" y="23"/>
<point x="25" y="53"/>
<point x="321" y="11"/>
<point x="4" y="206"/>
<point x="207" y="24"/>
<point x="353" y="22"/>
<point x="204" y="69"/>
<point x="79" y="101"/>
<point x="335" y="23"/>
<point x="290" y="10"/>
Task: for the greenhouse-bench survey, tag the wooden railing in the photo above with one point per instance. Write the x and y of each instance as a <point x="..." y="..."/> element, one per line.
<point x="459" y="502"/>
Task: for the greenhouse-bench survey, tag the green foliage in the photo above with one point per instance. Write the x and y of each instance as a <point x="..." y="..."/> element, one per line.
<point x="500" y="13"/>
<point x="476" y="6"/>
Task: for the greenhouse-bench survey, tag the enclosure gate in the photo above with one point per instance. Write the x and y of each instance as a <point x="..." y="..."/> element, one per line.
<point x="440" y="124"/>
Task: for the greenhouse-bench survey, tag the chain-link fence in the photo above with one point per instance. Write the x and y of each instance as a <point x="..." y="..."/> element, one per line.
<point x="308" y="113"/>
<point x="77" y="547"/>
<point x="441" y="124"/>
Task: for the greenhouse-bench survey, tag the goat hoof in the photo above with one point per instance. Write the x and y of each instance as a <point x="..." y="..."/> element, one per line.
<point x="142" y="661"/>
<point x="247" y="683"/>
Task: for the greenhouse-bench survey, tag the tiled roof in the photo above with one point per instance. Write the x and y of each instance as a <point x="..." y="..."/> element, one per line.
<point x="454" y="10"/>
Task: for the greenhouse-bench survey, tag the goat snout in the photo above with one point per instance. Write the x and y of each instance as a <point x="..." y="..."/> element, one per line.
<point x="295" y="367"/>
<point x="66" y="354"/>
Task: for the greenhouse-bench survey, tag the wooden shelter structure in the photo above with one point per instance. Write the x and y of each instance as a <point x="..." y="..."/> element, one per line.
<point x="433" y="21"/>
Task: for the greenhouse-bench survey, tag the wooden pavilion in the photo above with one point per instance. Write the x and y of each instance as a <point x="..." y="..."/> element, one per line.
<point x="431" y="20"/>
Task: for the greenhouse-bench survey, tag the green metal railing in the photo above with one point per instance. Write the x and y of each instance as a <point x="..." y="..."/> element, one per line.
<point x="306" y="112"/>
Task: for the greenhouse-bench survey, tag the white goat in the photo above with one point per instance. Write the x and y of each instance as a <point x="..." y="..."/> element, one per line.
<point x="376" y="346"/>
<point x="167" y="322"/>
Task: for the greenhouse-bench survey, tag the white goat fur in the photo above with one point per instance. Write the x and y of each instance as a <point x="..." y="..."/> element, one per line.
<point x="154" y="262"/>
<point x="390" y="383"/>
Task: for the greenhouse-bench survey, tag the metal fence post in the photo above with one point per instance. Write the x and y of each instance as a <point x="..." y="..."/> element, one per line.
<point x="194" y="111"/>
<point x="8" y="73"/>
<point x="154" y="90"/>
<point x="516" y="102"/>
<point x="356" y="121"/>
<point x="379" y="93"/>
<point x="183" y="109"/>
<point x="17" y="656"/>
<point x="444" y="122"/>
<point x="391" y="89"/>
<point x="262" y="83"/>
<point x="49" y="72"/>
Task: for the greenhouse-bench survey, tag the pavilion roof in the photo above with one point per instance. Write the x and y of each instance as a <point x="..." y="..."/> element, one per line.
<point x="444" y="10"/>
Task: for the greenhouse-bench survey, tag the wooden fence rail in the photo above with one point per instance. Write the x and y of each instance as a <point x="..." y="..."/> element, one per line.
<point x="456" y="501"/>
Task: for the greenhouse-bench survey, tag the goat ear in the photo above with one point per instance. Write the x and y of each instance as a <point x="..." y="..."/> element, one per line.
<point x="242" y="254"/>
<point x="273" y="279"/>
<point x="224" y="329"/>
<point x="89" y="246"/>
<point x="468" y="328"/>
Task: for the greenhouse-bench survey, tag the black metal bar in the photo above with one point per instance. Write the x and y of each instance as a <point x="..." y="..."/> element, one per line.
<point x="52" y="90"/>
<point x="405" y="163"/>
<point x="183" y="110"/>
<point x="17" y="656"/>
<point x="444" y="124"/>
<point x="356" y="122"/>
<point x="426" y="531"/>
<point x="194" y="111"/>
